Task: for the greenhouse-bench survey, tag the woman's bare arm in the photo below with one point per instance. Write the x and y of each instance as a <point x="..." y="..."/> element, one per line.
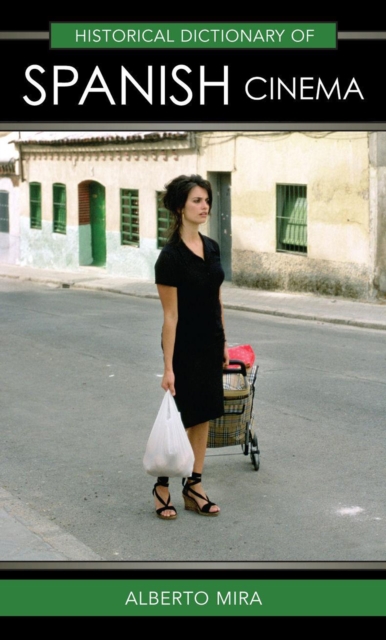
<point x="168" y="297"/>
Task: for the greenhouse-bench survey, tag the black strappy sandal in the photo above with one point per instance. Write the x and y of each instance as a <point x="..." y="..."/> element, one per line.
<point x="164" y="482"/>
<point x="190" y="503"/>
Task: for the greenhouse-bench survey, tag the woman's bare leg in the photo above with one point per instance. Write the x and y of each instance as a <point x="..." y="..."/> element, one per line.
<point x="198" y="436"/>
<point x="163" y="493"/>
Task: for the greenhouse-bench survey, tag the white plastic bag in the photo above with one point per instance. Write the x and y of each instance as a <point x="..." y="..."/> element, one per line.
<point x="168" y="450"/>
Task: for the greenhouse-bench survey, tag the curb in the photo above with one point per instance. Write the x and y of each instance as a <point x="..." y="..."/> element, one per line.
<point x="84" y="283"/>
<point x="304" y="316"/>
<point x="240" y="307"/>
<point x="34" y="535"/>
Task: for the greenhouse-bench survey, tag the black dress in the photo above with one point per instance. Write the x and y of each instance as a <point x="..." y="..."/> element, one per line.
<point x="199" y="344"/>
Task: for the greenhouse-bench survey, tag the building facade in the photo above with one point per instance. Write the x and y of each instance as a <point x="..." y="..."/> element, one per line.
<point x="9" y="201"/>
<point x="292" y="211"/>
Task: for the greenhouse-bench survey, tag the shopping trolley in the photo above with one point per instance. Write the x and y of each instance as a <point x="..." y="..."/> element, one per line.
<point x="236" y="425"/>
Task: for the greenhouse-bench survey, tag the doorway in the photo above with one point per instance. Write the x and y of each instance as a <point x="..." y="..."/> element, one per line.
<point x="220" y="227"/>
<point x="92" y="224"/>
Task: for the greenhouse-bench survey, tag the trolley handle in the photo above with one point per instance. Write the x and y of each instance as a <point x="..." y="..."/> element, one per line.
<point x="242" y="368"/>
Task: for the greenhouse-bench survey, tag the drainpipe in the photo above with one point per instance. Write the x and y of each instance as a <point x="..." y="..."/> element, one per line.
<point x="18" y="145"/>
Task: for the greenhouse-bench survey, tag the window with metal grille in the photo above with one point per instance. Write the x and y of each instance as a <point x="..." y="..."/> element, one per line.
<point x="59" y="208"/>
<point x="291" y="218"/>
<point x="4" y="212"/>
<point x="163" y="221"/>
<point x="130" y="217"/>
<point x="35" y="205"/>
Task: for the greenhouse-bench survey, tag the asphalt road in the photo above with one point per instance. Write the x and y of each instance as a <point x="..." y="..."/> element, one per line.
<point x="80" y="388"/>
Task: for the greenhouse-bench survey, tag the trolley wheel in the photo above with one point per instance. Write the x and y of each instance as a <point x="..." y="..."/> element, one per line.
<point x="255" y="442"/>
<point x="245" y="448"/>
<point x="255" y="457"/>
<point x="255" y="460"/>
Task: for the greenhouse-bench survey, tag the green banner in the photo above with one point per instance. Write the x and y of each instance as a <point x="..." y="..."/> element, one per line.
<point x="125" y="597"/>
<point x="200" y="35"/>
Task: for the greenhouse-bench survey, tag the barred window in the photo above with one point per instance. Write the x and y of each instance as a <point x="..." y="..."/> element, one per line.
<point x="163" y="221"/>
<point x="4" y="211"/>
<point x="291" y="218"/>
<point x="35" y="205"/>
<point x="130" y="217"/>
<point x="59" y="208"/>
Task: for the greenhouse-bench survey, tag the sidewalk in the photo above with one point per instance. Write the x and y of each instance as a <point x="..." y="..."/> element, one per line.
<point x="304" y="306"/>
<point x="27" y="536"/>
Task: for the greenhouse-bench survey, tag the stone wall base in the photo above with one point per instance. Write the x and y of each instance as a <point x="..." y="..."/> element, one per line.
<point x="289" y="272"/>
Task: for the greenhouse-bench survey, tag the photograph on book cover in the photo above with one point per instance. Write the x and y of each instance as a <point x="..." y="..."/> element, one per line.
<point x="296" y="464"/>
